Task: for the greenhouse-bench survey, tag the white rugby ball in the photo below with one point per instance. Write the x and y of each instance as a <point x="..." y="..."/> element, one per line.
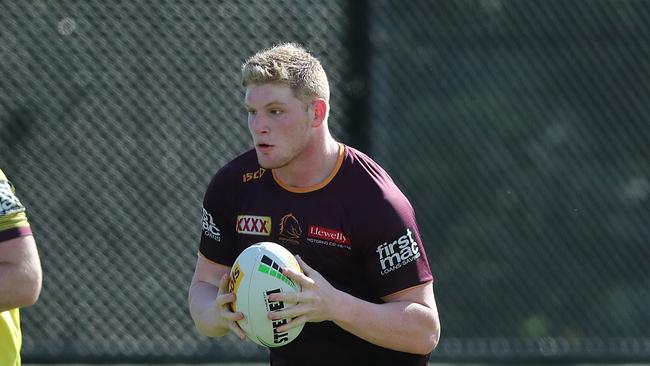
<point x="257" y="273"/>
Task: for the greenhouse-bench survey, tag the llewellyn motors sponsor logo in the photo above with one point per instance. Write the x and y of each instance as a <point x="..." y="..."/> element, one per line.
<point x="254" y="225"/>
<point x="331" y="237"/>
<point x="209" y="228"/>
<point x="397" y="253"/>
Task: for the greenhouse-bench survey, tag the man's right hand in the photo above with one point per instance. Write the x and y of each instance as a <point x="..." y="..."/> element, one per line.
<point x="211" y="303"/>
<point x="226" y="318"/>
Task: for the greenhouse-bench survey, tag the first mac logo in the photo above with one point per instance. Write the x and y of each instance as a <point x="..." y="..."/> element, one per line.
<point x="209" y="228"/>
<point x="398" y="253"/>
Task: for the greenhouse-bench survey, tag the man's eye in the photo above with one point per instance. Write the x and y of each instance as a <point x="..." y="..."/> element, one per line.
<point x="251" y="112"/>
<point x="275" y="111"/>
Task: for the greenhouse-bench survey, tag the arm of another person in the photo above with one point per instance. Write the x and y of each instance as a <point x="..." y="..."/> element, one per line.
<point x="20" y="273"/>
<point x="209" y="300"/>
<point x="407" y="321"/>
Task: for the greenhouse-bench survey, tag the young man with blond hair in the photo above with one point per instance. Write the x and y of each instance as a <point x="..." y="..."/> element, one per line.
<point x="20" y="271"/>
<point x="367" y="293"/>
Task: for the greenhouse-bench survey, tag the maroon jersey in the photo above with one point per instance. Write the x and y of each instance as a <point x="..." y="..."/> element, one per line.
<point x="356" y="228"/>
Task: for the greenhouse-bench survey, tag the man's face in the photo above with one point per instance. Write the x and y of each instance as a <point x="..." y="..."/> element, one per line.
<point x="279" y="124"/>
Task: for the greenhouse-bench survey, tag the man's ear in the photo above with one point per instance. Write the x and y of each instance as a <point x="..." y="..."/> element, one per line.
<point x="319" y="108"/>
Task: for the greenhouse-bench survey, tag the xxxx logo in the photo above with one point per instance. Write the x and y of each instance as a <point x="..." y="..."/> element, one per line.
<point x="254" y="225"/>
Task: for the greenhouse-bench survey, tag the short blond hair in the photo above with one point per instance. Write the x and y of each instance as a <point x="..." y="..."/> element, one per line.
<point x="291" y="64"/>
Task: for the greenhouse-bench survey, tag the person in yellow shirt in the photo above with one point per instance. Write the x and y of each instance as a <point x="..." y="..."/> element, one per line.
<point x="20" y="271"/>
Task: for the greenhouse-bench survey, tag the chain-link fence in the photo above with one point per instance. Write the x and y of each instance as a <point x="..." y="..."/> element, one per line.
<point x="529" y="123"/>
<point x="518" y="128"/>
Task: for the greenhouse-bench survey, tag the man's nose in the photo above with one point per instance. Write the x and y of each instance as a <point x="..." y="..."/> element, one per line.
<point x="259" y="124"/>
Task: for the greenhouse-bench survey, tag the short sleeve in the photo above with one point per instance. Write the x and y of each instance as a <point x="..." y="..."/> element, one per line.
<point x="13" y="221"/>
<point x="217" y="227"/>
<point x="394" y="258"/>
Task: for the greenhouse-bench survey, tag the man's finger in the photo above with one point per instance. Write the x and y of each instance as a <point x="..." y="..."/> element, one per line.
<point x="296" y="297"/>
<point x="223" y="299"/>
<point x="293" y="323"/>
<point x="288" y="313"/>
<point x="305" y="267"/>
<point x="298" y="277"/>
<point x="223" y="283"/>
<point x="234" y="327"/>
<point x="233" y="317"/>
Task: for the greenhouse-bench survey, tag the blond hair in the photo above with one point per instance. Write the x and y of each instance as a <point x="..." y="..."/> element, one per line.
<point x="291" y="64"/>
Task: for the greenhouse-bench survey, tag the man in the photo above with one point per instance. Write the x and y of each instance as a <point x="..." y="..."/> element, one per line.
<point x="367" y="293"/>
<point x="20" y="271"/>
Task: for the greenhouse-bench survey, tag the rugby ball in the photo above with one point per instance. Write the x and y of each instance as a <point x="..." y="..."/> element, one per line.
<point x="257" y="273"/>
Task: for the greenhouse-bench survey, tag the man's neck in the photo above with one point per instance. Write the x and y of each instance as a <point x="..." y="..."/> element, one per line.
<point x="315" y="165"/>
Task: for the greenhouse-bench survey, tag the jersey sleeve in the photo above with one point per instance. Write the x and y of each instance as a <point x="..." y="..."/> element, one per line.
<point x="218" y="225"/>
<point x="394" y="256"/>
<point x="13" y="221"/>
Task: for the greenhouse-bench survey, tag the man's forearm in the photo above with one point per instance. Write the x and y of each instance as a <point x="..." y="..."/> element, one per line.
<point x="20" y="273"/>
<point x="19" y="287"/>
<point x="202" y="309"/>
<point x="402" y="326"/>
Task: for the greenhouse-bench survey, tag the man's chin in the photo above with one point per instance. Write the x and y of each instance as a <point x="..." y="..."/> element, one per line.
<point x="266" y="164"/>
<point x="270" y="165"/>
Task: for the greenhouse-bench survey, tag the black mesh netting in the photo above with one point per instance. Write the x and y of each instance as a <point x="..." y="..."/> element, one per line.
<point x="518" y="128"/>
<point x="114" y="116"/>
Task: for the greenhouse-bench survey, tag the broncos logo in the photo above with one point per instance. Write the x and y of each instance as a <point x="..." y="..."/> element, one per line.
<point x="290" y="230"/>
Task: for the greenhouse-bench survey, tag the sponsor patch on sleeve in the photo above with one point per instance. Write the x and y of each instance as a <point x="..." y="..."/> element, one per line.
<point x="396" y="254"/>
<point x="210" y="229"/>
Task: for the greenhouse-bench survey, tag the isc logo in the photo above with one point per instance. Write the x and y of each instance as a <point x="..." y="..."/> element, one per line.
<point x="247" y="177"/>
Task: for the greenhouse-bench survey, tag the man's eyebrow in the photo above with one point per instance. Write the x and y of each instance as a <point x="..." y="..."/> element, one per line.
<point x="266" y="105"/>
